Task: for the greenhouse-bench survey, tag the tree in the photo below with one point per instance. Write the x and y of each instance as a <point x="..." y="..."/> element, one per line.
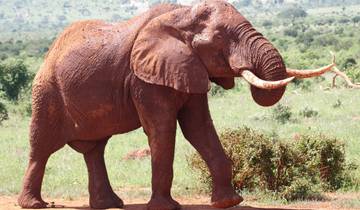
<point x="14" y="77"/>
<point x="349" y="62"/>
<point x="356" y="19"/>
<point x="293" y="13"/>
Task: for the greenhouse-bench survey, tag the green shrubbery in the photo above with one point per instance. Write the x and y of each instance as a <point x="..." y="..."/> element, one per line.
<point x="216" y="90"/>
<point x="3" y="113"/>
<point x="293" y="12"/>
<point x="281" y="113"/>
<point x="30" y="48"/>
<point x="290" y="32"/>
<point x="291" y="170"/>
<point x="15" y="80"/>
<point x="267" y="24"/>
<point x="308" y="112"/>
<point x="305" y="85"/>
<point x="322" y="160"/>
<point x="14" y="77"/>
<point x="354" y="73"/>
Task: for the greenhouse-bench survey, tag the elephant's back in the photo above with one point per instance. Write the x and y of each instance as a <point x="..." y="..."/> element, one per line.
<point x="80" y="37"/>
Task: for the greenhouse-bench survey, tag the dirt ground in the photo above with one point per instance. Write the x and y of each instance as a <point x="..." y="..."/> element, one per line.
<point x="334" y="201"/>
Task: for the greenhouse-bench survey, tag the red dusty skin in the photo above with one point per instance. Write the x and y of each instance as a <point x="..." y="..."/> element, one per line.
<point x="100" y="79"/>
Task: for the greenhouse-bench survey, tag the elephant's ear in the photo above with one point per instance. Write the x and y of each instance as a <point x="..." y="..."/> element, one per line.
<point x="160" y="56"/>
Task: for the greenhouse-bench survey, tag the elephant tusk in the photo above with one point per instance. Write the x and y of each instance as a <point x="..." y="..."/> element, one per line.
<point x="311" y="73"/>
<point x="252" y="79"/>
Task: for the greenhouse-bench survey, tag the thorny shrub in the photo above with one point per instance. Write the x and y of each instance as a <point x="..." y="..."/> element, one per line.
<point x="292" y="170"/>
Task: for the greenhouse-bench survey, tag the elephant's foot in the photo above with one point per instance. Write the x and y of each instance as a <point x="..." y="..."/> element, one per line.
<point x="30" y="201"/>
<point x="163" y="203"/>
<point x="226" y="199"/>
<point x="105" y="201"/>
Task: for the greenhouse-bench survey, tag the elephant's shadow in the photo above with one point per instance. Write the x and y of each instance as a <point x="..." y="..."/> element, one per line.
<point x="193" y="207"/>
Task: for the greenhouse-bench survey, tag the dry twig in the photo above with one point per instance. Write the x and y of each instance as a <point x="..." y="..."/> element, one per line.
<point x="345" y="77"/>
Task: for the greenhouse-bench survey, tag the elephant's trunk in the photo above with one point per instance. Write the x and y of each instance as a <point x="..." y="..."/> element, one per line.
<point x="263" y="60"/>
<point x="269" y="66"/>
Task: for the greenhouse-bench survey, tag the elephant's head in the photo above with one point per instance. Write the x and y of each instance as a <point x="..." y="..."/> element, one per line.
<point x="189" y="46"/>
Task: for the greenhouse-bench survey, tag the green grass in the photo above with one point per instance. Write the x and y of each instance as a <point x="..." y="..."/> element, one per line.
<point x="66" y="174"/>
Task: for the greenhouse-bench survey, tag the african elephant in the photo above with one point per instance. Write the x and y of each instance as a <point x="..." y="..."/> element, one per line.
<point x="100" y="79"/>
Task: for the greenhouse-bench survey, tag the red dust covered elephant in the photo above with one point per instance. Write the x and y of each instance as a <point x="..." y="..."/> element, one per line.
<point x="100" y="79"/>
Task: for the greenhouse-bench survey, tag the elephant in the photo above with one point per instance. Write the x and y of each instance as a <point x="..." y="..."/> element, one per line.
<point x="101" y="79"/>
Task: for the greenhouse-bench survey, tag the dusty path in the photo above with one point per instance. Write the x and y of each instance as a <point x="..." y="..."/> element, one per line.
<point x="348" y="201"/>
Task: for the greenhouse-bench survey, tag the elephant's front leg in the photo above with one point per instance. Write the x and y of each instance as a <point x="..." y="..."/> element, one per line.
<point x="162" y="143"/>
<point x="157" y="107"/>
<point x="198" y="129"/>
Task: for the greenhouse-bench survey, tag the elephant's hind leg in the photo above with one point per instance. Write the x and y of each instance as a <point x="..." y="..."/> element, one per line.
<point x="101" y="194"/>
<point x="30" y="196"/>
<point x="46" y="137"/>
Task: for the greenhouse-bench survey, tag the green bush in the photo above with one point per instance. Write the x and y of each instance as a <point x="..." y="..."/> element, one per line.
<point x="355" y="19"/>
<point x="326" y="40"/>
<point x="216" y="90"/>
<point x="348" y="63"/>
<point x="290" y="32"/>
<point x="301" y="189"/>
<point x="353" y="71"/>
<point x="323" y="158"/>
<point x="306" y="38"/>
<point x="325" y="21"/>
<point x="344" y="20"/>
<point x="3" y="113"/>
<point x="306" y="85"/>
<point x="294" y="12"/>
<point x="267" y="24"/>
<point x="14" y="77"/>
<point x="281" y="113"/>
<point x="308" y="112"/>
<point x="291" y="170"/>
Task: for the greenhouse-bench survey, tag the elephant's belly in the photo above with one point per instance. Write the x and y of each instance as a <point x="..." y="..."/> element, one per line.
<point x="99" y="127"/>
<point x="95" y="121"/>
